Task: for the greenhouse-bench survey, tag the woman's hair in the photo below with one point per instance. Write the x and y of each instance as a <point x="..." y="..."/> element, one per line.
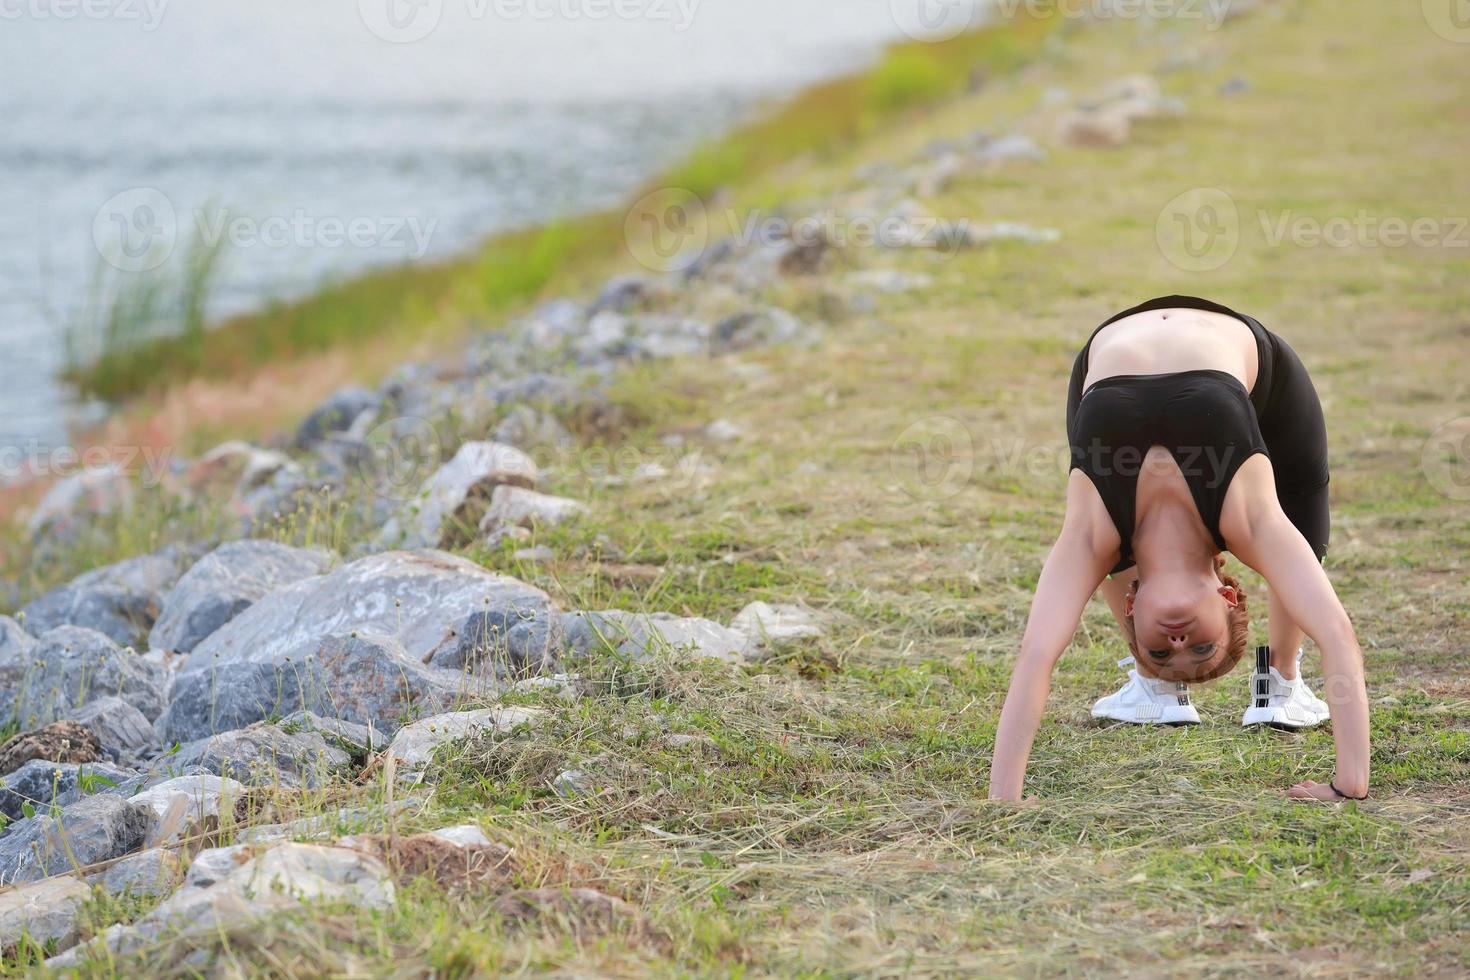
<point x="1237" y="624"/>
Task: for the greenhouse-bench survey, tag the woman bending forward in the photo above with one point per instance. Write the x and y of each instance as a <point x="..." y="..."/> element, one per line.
<point x="1194" y="430"/>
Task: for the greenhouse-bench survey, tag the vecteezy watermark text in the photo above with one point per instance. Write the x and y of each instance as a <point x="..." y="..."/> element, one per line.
<point x="1210" y="13"/>
<point x="148" y="14"/>
<point x="1202" y="228"/>
<point x="31" y="460"/>
<point x="669" y="230"/>
<point x="137" y="230"/>
<point x="407" y="21"/>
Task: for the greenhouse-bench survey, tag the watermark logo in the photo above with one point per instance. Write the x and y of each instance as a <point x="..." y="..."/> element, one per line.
<point x="1450" y="19"/>
<point x="1199" y="230"/>
<point x="933" y="458"/>
<point x="667" y="230"/>
<point x="136" y="230"/>
<point x="1445" y="459"/>
<point x="401" y="21"/>
<point x="397" y="457"/>
<point x="936" y="20"/>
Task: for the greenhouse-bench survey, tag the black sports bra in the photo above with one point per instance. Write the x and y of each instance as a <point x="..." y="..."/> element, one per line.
<point x="1205" y="420"/>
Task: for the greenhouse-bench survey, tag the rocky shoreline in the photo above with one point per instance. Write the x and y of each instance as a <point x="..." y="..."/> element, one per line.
<point x="155" y="697"/>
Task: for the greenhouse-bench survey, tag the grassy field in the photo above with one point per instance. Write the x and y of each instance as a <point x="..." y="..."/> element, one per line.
<point x="829" y="819"/>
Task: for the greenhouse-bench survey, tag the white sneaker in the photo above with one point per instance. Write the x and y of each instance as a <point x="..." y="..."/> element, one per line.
<point x="1281" y="703"/>
<point x="1148" y="701"/>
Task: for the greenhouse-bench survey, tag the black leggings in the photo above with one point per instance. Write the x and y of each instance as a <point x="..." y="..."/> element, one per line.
<point x="1287" y="408"/>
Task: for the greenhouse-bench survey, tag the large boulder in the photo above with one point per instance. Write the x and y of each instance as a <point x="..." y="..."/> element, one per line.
<point x="452" y="501"/>
<point x="223" y="584"/>
<point x="418" y="598"/>
<point x="121" y="600"/>
<point x="71" y="665"/>
<point x="362" y="678"/>
<point x="87" y="832"/>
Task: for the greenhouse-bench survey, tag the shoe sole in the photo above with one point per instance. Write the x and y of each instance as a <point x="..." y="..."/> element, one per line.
<point x="1175" y="722"/>
<point x="1277" y="719"/>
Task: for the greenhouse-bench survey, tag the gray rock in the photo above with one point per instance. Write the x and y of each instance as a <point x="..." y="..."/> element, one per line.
<point x="223" y="584"/>
<point x="233" y="469"/>
<point x="567" y="687"/>
<point x="156" y="871"/>
<point x="572" y="782"/>
<point x="332" y="823"/>
<point x="414" y="745"/>
<point x="39" y="784"/>
<point x="15" y="659"/>
<point x="183" y="803"/>
<point x="265" y="754"/>
<point x="519" y="507"/>
<point x="1005" y="149"/>
<point x="891" y="280"/>
<point x="75" y="499"/>
<point x="646" y="637"/>
<point x="419" y="598"/>
<point x="337" y="414"/>
<point x="44" y="912"/>
<point x="529" y="428"/>
<point x="776" y="626"/>
<point x="120" y="600"/>
<point x="246" y="886"/>
<point x="361" y="678"/>
<point x="757" y="328"/>
<point x="646" y="336"/>
<point x="451" y="502"/>
<point x="552" y="324"/>
<point x="91" y="830"/>
<point x="627" y="292"/>
<point x="509" y="643"/>
<point x="124" y="732"/>
<point x="1235" y="85"/>
<point x="354" y="739"/>
<point x="71" y="665"/>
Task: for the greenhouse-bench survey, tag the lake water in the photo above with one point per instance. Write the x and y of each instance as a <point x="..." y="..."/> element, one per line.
<point x="320" y="137"/>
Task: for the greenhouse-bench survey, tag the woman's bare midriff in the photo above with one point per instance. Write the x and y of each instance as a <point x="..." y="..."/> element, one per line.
<point x="1170" y="341"/>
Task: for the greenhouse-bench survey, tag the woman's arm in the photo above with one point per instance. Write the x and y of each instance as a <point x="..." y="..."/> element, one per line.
<point x="1078" y="563"/>
<point x="1268" y="542"/>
